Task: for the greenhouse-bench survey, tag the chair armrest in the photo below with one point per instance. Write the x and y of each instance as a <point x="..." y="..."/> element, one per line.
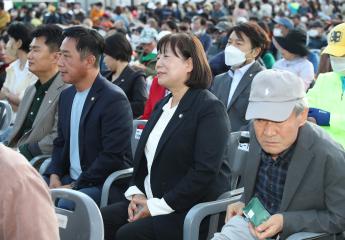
<point x="200" y="211"/>
<point x="37" y="161"/>
<point x="307" y="235"/>
<point x="214" y="219"/>
<point x="44" y="165"/>
<point x="110" y="180"/>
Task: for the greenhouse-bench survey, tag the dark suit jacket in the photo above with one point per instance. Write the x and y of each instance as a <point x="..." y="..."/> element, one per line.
<point x="133" y="83"/>
<point x="205" y="40"/>
<point x="188" y="167"/>
<point x="314" y="192"/>
<point x="239" y="102"/>
<point x="104" y="134"/>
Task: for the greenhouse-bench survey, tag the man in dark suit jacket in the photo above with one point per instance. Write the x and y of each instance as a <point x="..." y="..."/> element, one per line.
<point x="293" y="167"/>
<point x="95" y="119"/>
<point x="246" y="43"/>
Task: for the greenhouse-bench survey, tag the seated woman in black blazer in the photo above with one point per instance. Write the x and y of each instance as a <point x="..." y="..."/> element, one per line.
<point x="117" y="54"/>
<point x="179" y="159"/>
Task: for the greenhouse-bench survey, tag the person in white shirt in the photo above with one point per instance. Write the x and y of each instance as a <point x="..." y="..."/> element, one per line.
<point x="294" y="50"/>
<point x="18" y="76"/>
<point x="178" y="162"/>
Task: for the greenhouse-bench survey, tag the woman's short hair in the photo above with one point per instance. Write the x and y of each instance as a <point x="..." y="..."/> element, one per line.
<point x="21" y="31"/>
<point x="118" y="47"/>
<point x="189" y="46"/>
<point x="257" y="36"/>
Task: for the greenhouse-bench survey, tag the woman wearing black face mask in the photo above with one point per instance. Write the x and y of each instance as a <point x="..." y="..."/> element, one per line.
<point x="245" y="45"/>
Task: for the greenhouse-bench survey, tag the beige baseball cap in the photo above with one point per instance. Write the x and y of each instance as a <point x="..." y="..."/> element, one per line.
<point x="273" y="95"/>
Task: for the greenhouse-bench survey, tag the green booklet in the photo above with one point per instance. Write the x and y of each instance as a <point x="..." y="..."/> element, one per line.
<point x="256" y="212"/>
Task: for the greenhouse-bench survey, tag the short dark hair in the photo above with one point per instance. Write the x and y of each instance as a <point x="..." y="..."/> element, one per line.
<point x="171" y="24"/>
<point x="203" y="20"/>
<point x="257" y="36"/>
<point x="21" y="31"/>
<point x="88" y="41"/>
<point x="52" y="34"/>
<point x="118" y="47"/>
<point x="190" y="47"/>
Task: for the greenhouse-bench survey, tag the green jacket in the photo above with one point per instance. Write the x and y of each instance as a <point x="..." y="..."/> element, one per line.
<point x="327" y="94"/>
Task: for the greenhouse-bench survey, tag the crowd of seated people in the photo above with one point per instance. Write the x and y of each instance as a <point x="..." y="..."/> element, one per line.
<point x="75" y="86"/>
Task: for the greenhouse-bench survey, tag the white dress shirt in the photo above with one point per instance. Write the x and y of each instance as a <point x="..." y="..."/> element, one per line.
<point x="302" y="67"/>
<point x="156" y="206"/>
<point x="236" y="78"/>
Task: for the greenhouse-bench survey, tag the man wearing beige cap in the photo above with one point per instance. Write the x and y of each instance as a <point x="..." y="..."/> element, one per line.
<point x="293" y="167"/>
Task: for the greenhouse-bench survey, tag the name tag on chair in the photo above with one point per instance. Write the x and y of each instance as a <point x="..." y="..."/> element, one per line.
<point x="138" y="133"/>
<point x="62" y="220"/>
<point x="243" y="147"/>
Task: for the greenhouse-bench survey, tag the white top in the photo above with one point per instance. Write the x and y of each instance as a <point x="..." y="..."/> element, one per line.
<point x="236" y="78"/>
<point x="17" y="80"/>
<point x="77" y="108"/>
<point x="302" y="67"/>
<point x="156" y="206"/>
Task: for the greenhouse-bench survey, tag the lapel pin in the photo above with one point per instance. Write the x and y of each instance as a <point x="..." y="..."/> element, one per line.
<point x="122" y="80"/>
<point x="93" y="98"/>
<point x="50" y="101"/>
<point x="250" y="75"/>
<point x="180" y="116"/>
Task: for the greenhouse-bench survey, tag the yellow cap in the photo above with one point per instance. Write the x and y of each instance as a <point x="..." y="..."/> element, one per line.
<point x="336" y="41"/>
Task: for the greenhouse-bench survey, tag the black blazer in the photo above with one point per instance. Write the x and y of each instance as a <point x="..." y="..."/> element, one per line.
<point x="133" y="83"/>
<point x="188" y="167"/>
<point x="104" y="134"/>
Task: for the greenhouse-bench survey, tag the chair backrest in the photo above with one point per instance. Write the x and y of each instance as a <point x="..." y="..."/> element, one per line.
<point x="5" y="115"/>
<point x="84" y="223"/>
<point x="238" y="146"/>
<point x="138" y="126"/>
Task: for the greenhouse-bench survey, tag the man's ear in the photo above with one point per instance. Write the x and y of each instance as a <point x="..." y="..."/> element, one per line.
<point x="56" y="56"/>
<point x="90" y="60"/>
<point x="303" y="117"/>
<point x="256" y="51"/>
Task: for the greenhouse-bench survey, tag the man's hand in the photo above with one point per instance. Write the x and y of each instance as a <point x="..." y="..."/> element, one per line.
<point x="137" y="208"/>
<point x="233" y="210"/>
<point x="269" y="228"/>
<point x="54" y="181"/>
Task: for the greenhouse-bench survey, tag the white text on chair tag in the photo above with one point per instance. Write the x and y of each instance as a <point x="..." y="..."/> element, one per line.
<point x="62" y="220"/>
<point x="138" y="133"/>
<point x="243" y="147"/>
